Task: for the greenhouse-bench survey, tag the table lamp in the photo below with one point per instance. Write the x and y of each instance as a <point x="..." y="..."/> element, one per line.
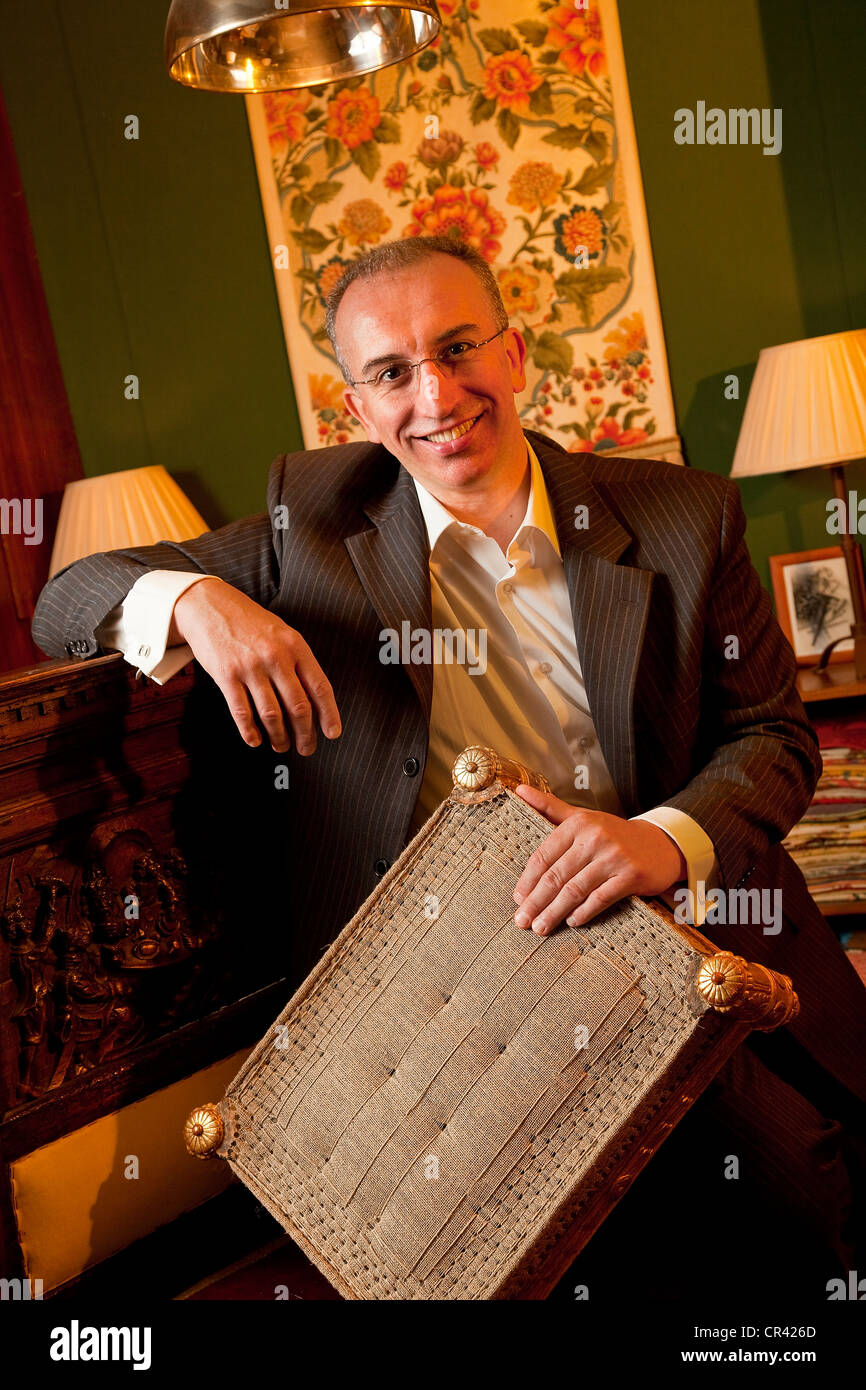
<point x="249" y="46"/>
<point x="138" y="506"/>
<point x="807" y="409"/>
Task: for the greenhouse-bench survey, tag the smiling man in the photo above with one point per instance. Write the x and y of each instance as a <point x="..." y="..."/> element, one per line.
<point x="676" y="755"/>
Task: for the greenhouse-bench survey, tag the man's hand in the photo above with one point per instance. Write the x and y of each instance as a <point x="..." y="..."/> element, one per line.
<point x="259" y="663"/>
<point x="589" y="862"/>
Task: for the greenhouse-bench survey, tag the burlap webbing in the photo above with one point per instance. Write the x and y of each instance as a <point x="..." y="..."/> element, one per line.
<point x="424" y="1115"/>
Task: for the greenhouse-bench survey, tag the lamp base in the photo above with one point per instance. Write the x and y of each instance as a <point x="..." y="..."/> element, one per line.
<point x="858" y="632"/>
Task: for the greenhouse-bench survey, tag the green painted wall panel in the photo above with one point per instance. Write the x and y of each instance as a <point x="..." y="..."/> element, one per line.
<point x="155" y="259"/>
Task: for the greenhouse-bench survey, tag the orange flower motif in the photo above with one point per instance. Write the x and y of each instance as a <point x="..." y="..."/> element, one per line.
<point x="363" y="220"/>
<point x="487" y="155"/>
<point x="578" y="38"/>
<point x="463" y="211"/>
<point x="516" y="286"/>
<point x="628" y="336"/>
<point x="326" y="392"/>
<point x="353" y="116"/>
<point x="328" y="276"/>
<point x="534" y="184"/>
<point x="396" y="175"/>
<point x="510" y="80"/>
<point x="609" y="435"/>
<point x="284" y="114"/>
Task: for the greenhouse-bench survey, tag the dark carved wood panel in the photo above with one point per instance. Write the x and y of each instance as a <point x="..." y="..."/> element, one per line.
<point x="143" y="924"/>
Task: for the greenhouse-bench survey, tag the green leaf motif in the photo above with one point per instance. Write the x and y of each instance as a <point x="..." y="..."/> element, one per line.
<point x="314" y="113"/>
<point x="300" y="171"/>
<point x="387" y="132"/>
<point x="509" y="127"/>
<point x="595" y="143"/>
<point x="568" y="137"/>
<point x="427" y="60"/>
<point x="482" y="108"/>
<point x="498" y="40"/>
<point x="550" y="55"/>
<point x="578" y="286"/>
<point x="528" y="335"/>
<point x="457" y="178"/>
<point x="300" y="208"/>
<point x="333" y="151"/>
<point x="311" y="240"/>
<point x="540" y="101"/>
<point x="631" y="415"/>
<point x="594" y="177"/>
<point x="615" y="408"/>
<point x="367" y="158"/>
<point x="609" y="211"/>
<point x="533" y="31"/>
<point x="324" y="191"/>
<point x="553" y="354"/>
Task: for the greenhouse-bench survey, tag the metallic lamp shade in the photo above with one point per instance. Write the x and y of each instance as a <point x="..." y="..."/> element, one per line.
<point x="247" y="46"/>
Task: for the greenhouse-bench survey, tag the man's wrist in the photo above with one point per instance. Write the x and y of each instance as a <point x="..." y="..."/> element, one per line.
<point x="182" y="609"/>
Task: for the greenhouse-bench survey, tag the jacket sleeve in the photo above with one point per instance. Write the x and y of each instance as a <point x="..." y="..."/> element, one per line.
<point x="764" y="762"/>
<point x="78" y="598"/>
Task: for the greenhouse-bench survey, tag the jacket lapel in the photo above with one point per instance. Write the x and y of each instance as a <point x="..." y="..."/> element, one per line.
<point x="609" y="604"/>
<point x="391" y="559"/>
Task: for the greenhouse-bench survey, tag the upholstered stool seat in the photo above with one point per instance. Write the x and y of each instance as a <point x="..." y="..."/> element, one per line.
<point x="449" y="1106"/>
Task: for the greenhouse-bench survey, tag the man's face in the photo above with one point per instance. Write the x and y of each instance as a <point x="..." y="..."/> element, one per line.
<point x="408" y="315"/>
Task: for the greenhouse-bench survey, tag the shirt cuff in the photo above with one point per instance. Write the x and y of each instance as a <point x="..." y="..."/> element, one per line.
<point x="699" y="853"/>
<point x="139" y="626"/>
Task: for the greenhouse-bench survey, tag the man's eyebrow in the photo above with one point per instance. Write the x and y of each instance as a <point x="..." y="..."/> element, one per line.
<point x="401" y="357"/>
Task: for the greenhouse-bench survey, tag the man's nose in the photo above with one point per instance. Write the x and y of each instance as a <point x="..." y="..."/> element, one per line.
<point x="433" y="380"/>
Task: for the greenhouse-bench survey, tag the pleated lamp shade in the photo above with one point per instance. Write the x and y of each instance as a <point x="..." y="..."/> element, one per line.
<point x="807" y="406"/>
<point x="138" y="506"/>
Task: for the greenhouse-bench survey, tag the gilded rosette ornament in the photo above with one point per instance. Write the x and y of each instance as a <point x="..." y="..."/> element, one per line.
<point x="746" y="991"/>
<point x="477" y="768"/>
<point x="204" y="1131"/>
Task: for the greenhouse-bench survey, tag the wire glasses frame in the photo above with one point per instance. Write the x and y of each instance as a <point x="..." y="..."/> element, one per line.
<point x="447" y="359"/>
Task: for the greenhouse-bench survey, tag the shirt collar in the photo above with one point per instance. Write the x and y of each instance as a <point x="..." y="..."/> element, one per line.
<point x="538" y="514"/>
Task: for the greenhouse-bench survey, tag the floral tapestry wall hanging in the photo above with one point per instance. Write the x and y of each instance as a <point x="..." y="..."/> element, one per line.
<point x="513" y="131"/>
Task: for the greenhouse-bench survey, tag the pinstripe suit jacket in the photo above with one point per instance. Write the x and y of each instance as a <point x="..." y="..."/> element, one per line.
<point x="689" y="679"/>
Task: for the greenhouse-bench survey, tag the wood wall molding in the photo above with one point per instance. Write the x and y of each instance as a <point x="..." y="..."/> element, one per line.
<point x="38" y="449"/>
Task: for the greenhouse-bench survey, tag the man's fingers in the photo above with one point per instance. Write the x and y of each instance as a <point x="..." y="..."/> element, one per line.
<point x="542" y="859"/>
<point x="321" y="693"/>
<point x="559" y="892"/>
<point x="300" y="713"/>
<point x="269" y="708"/>
<point x="238" y="702"/>
<point x="608" y="893"/>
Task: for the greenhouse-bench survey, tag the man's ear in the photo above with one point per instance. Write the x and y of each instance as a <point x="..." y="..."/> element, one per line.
<point x="355" y="406"/>
<point x="515" y="349"/>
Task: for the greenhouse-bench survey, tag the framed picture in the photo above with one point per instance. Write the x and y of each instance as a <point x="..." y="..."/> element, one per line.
<point x="813" y="602"/>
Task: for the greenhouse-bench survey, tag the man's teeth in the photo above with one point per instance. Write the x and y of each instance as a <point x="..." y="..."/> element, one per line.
<point x="445" y="436"/>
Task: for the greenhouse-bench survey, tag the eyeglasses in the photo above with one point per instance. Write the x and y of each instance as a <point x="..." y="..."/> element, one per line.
<point x="450" y="359"/>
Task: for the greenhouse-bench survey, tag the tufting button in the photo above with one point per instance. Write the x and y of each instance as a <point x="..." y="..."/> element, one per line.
<point x="381" y="867"/>
<point x="411" y="766"/>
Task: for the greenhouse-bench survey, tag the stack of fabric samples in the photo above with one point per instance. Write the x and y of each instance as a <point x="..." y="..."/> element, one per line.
<point x="829" y="843"/>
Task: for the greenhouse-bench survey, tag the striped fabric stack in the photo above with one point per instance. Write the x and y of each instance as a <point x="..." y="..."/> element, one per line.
<point x="829" y="843"/>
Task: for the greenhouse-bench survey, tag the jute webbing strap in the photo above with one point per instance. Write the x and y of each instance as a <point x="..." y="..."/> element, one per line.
<point x="446" y="1092"/>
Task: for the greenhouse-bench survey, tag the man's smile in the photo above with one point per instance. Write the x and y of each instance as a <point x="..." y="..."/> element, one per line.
<point x="450" y="440"/>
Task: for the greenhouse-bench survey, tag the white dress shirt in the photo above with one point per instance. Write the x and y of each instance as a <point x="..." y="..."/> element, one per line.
<point x="529" y="703"/>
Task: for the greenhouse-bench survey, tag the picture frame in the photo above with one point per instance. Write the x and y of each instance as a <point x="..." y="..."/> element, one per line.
<point x="813" y="600"/>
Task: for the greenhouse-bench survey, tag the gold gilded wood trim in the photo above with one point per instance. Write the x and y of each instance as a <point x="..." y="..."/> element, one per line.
<point x="477" y="768"/>
<point x="749" y="992"/>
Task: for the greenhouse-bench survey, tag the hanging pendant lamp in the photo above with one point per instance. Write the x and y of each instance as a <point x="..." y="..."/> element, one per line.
<point x="247" y="46"/>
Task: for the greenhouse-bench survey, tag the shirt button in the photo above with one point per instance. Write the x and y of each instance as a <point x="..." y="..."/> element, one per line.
<point x="411" y="766"/>
<point x="545" y="668"/>
<point x="380" y="867"/>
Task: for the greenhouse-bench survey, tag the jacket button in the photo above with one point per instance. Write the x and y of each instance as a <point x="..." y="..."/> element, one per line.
<point x="411" y="766"/>
<point x="380" y="867"/>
